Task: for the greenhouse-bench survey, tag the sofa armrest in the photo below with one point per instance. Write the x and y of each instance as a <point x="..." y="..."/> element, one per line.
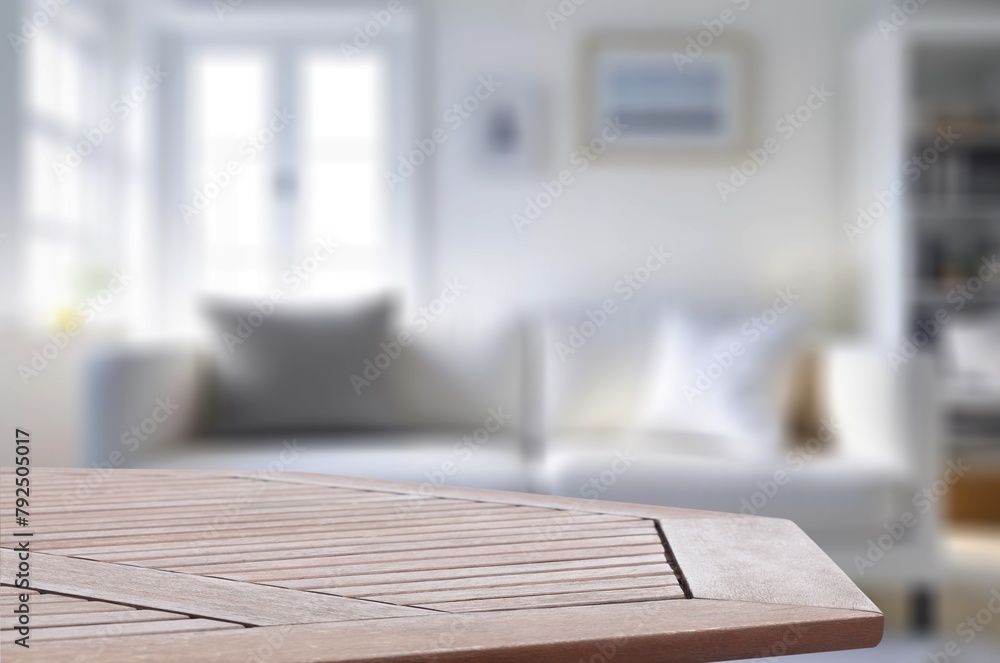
<point x="137" y="398"/>
<point x="887" y="415"/>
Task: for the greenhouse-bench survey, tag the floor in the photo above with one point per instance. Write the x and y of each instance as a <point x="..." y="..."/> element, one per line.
<point x="898" y="650"/>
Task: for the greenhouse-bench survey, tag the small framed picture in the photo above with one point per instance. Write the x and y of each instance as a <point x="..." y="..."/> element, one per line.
<point x="509" y="133"/>
<point x="660" y="99"/>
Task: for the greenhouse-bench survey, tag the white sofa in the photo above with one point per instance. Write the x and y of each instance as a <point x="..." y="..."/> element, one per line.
<point x="569" y="429"/>
<point x="446" y="395"/>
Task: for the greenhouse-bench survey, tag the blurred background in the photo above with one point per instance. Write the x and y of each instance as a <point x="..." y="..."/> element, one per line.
<point x="735" y="255"/>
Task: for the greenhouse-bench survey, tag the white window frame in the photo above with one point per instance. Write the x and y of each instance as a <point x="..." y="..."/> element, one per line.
<point x="185" y="32"/>
<point x="99" y="231"/>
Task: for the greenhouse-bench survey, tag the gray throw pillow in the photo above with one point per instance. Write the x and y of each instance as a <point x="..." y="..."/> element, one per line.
<point x="291" y="370"/>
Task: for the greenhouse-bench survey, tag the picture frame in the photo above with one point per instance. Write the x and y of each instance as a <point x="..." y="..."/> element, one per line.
<point x="509" y="133"/>
<point x="674" y="101"/>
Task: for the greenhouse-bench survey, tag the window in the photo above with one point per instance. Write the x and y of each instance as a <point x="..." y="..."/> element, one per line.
<point x="286" y="150"/>
<point x="230" y="95"/>
<point x="342" y="188"/>
<point x="74" y="172"/>
<point x="54" y="205"/>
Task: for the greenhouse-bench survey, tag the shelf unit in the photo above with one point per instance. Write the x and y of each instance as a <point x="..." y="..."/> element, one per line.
<point x="905" y="277"/>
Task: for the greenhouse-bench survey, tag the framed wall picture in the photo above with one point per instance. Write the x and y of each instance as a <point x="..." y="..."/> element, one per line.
<point x="665" y="101"/>
<point x="509" y="132"/>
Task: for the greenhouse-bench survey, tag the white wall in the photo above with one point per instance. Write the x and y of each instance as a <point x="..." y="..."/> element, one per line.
<point x="10" y="16"/>
<point x="782" y="229"/>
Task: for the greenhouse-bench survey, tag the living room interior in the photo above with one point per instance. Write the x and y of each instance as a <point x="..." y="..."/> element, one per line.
<point x="729" y="255"/>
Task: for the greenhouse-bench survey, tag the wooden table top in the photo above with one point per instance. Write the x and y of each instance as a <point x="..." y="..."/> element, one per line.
<point x="143" y="565"/>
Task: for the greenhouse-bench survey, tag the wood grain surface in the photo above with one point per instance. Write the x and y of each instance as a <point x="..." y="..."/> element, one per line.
<point x="219" y="566"/>
<point x="788" y="567"/>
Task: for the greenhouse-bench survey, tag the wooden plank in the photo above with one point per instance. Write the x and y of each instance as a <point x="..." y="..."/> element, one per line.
<point x="91" y="488"/>
<point x="116" y="631"/>
<point x="276" y="555"/>
<point x="788" y="568"/>
<point x="156" y="490"/>
<point x="233" y="506"/>
<point x="274" y="575"/>
<point x="347" y="582"/>
<point x="389" y="536"/>
<point x="242" y="603"/>
<point x="37" y="598"/>
<point x="11" y="590"/>
<point x="165" y="501"/>
<point x="76" y="607"/>
<point x="607" y="597"/>
<point x="692" y="631"/>
<point x="258" y="509"/>
<point x="233" y="519"/>
<point x="88" y="618"/>
<point x="371" y="554"/>
<point x="346" y="524"/>
<point x="292" y="523"/>
<point x="501" y="496"/>
<point x="470" y="513"/>
<point x="518" y="577"/>
<point x="69" y="477"/>
<point x="439" y="596"/>
<point x="114" y="493"/>
<point x="68" y="503"/>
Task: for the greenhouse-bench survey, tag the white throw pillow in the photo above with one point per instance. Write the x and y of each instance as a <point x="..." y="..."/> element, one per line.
<point x="718" y="377"/>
